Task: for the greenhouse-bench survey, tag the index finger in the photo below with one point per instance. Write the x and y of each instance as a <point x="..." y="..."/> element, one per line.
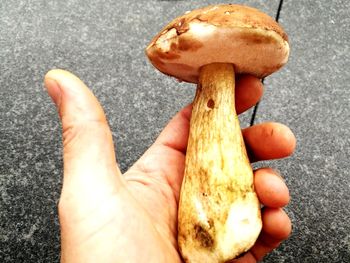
<point x="248" y="92"/>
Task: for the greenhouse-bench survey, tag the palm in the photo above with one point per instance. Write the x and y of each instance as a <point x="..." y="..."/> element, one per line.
<point x="140" y="220"/>
<point x="107" y="217"/>
<point x="154" y="182"/>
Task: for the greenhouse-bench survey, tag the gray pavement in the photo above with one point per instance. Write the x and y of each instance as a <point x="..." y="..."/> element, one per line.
<point x="103" y="43"/>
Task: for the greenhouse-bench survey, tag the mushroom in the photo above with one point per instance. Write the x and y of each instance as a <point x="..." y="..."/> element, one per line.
<point x="219" y="212"/>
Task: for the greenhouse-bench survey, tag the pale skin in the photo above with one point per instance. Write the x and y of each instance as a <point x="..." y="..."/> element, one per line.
<point x="107" y="216"/>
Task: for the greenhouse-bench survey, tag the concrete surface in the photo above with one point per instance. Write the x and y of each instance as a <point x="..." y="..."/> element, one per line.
<point x="312" y="96"/>
<point x="103" y="43"/>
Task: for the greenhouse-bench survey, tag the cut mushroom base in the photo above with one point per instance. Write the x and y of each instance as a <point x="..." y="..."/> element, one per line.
<point x="219" y="212"/>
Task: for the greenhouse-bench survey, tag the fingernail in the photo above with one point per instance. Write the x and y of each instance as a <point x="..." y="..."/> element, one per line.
<point x="54" y="91"/>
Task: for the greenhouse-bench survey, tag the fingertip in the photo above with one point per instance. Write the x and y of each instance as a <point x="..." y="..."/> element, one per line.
<point x="76" y="99"/>
<point x="271" y="188"/>
<point x="52" y="73"/>
<point x="250" y="82"/>
<point x="53" y="89"/>
<point x="287" y="137"/>
<point x="276" y="223"/>
<point x="270" y="140"/>
<point x="249" y="91"/>
<point x="57" y="74"/>
<point x="292" y="141"/>
<point x="67" y="81"/>
<point x="52" y="85"/>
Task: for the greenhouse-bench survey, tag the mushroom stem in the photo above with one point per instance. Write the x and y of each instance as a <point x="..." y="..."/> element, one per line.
<point x="219" y="212"/>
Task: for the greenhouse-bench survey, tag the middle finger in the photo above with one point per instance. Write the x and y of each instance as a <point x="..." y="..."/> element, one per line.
<point x="268" y="141"/>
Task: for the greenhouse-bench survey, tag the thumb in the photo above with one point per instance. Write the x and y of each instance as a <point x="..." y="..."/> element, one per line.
<point x="90" y="168"/>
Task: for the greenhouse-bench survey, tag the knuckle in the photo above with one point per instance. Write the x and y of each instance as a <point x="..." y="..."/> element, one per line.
<point x="74" y="133"/>
<point x="70" y="133"/>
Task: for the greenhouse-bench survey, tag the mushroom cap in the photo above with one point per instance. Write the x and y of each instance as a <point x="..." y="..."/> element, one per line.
<point x="243" y="36"/>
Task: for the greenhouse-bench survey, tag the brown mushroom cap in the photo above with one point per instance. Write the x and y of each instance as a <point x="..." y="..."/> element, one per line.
<point x="249" y="39"/>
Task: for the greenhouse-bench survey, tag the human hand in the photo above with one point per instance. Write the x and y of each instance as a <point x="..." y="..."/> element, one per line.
<point x="109" y="217"/>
